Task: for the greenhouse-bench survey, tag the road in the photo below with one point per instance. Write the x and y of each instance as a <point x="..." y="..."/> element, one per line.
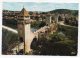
<point x="62" y="23"/>
<point x="9" y="29"/>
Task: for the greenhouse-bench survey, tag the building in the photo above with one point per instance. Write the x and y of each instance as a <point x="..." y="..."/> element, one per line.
<point x="24" y="31"/>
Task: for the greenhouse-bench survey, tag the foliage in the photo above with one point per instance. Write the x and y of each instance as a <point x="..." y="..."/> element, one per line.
<point x="75" y="12"/>
<point x="56" y="45"/>
<point x="38" y="24"/>
<point x="9" y="40"/>
<point x="70" y="32"/>
<point x="71" y="21"/>
<point x="10" y="23"/>
<point x="65" y="11"/>
<point x="60" y="18"/>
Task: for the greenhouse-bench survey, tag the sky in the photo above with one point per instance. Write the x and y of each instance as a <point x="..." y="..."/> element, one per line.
<point x="33" y="6"/>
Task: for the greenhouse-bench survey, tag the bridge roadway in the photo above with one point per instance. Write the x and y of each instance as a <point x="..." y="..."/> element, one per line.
<point x="62" y="23"/>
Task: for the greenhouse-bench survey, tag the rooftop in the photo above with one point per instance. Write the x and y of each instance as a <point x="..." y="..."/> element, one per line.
<point x="24" y="12"/>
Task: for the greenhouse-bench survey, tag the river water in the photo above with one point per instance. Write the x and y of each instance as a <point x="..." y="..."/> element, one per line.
<point x="33" y="29"/>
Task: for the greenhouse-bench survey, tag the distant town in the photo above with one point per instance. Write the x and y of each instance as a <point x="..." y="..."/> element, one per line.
<point x="70" y="16"/>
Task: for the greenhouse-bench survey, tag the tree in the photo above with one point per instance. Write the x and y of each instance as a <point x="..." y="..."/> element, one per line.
<point x="60" y="18"/>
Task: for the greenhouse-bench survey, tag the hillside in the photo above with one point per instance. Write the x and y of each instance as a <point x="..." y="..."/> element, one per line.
<point x="9" y="40"/>
<point x="65" y="11"/>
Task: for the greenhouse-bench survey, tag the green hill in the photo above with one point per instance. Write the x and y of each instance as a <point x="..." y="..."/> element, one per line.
<point x="65" y="11"/>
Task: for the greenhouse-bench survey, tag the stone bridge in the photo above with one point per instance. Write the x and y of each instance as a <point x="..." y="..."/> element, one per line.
<point x="33" y="35"/>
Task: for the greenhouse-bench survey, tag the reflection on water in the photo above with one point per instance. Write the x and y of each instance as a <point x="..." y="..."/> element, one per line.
<point x="33" y="29"/>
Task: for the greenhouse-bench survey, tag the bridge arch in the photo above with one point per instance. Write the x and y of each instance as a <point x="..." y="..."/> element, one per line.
<point x="34" y="43"/>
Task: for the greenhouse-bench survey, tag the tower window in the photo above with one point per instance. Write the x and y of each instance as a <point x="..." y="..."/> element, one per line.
<point x="21" y="39"/>
<point x="26" y="16"/>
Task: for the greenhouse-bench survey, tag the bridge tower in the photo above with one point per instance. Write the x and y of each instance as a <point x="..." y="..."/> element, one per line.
<point x="23" y="24"/>
<point x="48" y="19"/>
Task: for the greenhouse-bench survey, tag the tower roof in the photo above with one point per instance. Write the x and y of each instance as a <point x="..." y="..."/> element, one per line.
<point x="24" y="12"/>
